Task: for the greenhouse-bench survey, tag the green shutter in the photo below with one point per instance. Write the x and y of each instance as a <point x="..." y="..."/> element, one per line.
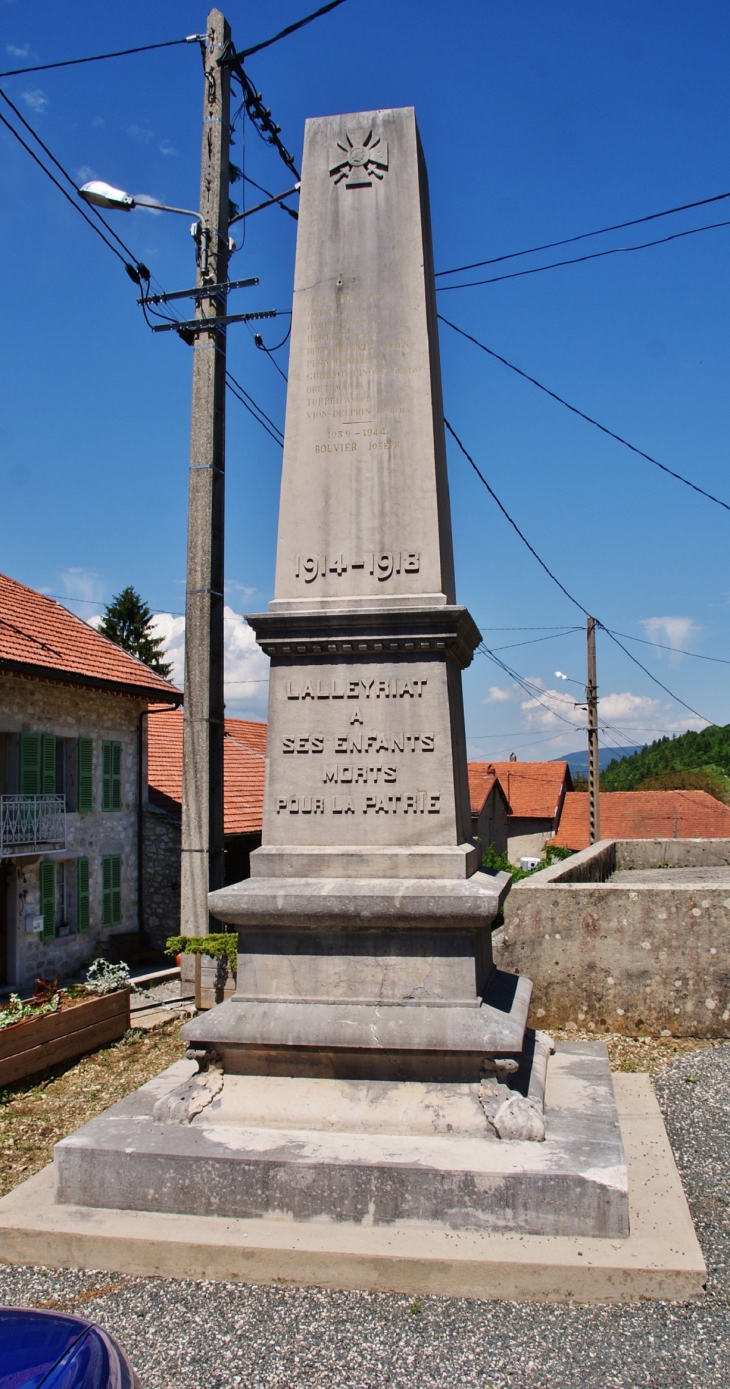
<point x="85" y="775"/>
<point x="111" y="890"/>
<point x="82" y="895"/>
<point x="116" y="776"/>
<point x="48" y="900"/>
<point x="30" y="764"/>
<point x="111" y="772"/>
<point x="48" y="764"/>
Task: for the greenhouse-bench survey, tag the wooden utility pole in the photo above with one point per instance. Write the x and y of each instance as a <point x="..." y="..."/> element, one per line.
<point x="202" y="808"/>
<point x="594" y="808"/>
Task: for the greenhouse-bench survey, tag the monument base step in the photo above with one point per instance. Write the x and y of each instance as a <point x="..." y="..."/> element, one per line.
<point x="661" y="1257"/>
<point x="379" y="1039"/>
<point x="312" y="1151"/>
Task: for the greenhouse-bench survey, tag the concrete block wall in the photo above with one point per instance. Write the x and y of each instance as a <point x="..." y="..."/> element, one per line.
<point x="642" y="958"/>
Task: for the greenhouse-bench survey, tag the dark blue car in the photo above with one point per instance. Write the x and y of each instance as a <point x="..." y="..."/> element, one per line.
<point x="49" y="1350"/>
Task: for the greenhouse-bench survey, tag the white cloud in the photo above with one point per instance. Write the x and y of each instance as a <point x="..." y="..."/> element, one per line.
<point x="18" y="50"/>
<point x="81" y="585"/>
<point x="141" y="133"/>
<point x="670" y="631"/>
<point x="84" y="174"/>
<point x="36" y="100"/>
<point x="550" y="709"/>
<point x="166" y="148"/>
<point x="497" y="695"/>
<point x="245" y="665"/>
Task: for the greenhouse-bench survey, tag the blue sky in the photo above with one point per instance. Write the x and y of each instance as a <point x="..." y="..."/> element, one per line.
<point x="539" y="121"/>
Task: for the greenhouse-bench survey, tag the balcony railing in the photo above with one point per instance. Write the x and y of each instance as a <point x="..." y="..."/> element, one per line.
<point x="32" y="822"/>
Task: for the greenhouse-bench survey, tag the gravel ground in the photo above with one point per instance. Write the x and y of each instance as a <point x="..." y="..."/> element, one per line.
<point x="185" y="1335"/>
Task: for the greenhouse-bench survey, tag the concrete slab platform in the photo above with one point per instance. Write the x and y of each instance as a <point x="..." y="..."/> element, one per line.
<point x="232" y="1160"/>
<point x="660" y="1259"/>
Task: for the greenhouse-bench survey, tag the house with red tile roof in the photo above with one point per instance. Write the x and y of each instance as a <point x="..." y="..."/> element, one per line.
<point x="73" y="710"/>
<point x="534" y="792"/>
<point x="489" y="808"/>
<point x="244" y="762"/>
<point x="644" y="815"/>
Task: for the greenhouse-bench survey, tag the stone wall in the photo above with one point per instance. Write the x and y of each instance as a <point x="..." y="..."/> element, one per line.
<point x="29" y="705"/>
<point x="160" y="875"/>
<point x="644" y="957"/>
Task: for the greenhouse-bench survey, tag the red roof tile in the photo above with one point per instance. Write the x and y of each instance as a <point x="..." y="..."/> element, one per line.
<point x="482" y="779"/>
<point x="644" y="815"/>
<point x="533" y="789"/>
<point x="39" y="637"/>
<point x="244" y="762"/>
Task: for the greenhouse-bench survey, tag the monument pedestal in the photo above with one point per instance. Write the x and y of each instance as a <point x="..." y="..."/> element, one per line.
<point x="373" y="1153"/>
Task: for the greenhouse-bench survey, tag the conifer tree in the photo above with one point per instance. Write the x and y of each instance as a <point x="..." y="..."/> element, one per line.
<point x="127" y="622"/>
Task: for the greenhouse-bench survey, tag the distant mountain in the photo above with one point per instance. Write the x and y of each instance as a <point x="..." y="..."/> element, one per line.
<point x="578" y="761"/>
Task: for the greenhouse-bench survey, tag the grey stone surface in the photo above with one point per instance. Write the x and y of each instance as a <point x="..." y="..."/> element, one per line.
<point x="573" y="1183"/>
<point x="403" y="1039"/>
<point x="372" y="902"/>
<point x="642" y="950"/>
<point x="364" y="931"/>
<point x="705" y="876"/>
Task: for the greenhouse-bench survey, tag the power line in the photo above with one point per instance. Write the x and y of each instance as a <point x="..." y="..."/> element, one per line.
<point x="678" y="650"/>
<point x="588" y="418"/>
<point x="569" y="240"/>
<point x="67" y="176"/>
<point x="562" y="588"/>
<point x="99" y="57"/>
<point x="533" y="640"/>
<point x="653" y="677"/>
<point x="578" y="260"/>
<point x="283" y="34"/>
<point x="249" y="404"/>
<point x="513" y="524"/>
<point x="62" y="190"/>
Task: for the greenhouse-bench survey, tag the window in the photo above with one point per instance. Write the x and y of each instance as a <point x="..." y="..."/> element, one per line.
<point x="85" y="777"/>
<point x="82" y="895"/>
<point x="30" y="764"/>
<point x="48" y="898"/>
<point x="111" y="889"/>
<point x="111" y="773"/>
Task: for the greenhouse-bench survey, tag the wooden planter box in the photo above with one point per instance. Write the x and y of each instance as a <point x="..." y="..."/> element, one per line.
<point x="211" y="979"/>
<point x="30" y="1046"/>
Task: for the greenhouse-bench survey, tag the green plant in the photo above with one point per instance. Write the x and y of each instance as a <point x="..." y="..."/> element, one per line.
<point x="18" y="1011"/>
<point x="221" y="945"/>
<point x="415" y="1308"/>
<point x="104" y="978"/>
<point x="127" y="622"/>
<point x="499" y="863"/>
<point x="76" y="990"/>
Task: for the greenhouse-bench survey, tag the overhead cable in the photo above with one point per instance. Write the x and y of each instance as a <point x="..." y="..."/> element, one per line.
<point x="568" y="240"/>
<point x="283" y="34"/>
<point x="588" y="418"/>
<point x="68" y="178"/>
<point x="513" y="524"/>
<point x="249" y="404"/>
<point x="578" y="260"/>
<point x="678" y="650"/>
<point x="61" y="189"/>
<point x="563" y="589"/>
<point x="99" y="57"/>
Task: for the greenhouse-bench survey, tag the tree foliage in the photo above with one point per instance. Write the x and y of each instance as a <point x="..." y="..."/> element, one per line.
<point x="127" y="622"/>
<point x="708" y="751"/>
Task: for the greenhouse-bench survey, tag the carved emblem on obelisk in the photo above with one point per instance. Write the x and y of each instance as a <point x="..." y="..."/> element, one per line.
<point x="359" y="161"/>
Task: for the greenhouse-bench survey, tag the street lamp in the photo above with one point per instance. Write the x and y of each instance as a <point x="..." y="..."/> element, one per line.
<point x="104" y="195"/>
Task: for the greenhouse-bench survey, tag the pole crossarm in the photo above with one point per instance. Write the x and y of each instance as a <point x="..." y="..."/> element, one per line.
<point x="199" y="292"/>
<point x="210" y="325"/>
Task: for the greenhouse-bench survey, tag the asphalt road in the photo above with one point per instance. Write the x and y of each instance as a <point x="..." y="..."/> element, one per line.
<point x="187" y="1335"/>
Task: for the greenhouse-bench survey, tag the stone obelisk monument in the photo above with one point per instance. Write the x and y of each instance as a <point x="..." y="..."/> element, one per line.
<point x="365" y="926"/>
<point x="372" y="1060"/>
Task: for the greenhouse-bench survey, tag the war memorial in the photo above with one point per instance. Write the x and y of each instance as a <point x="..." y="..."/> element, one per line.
<point x="370" y="1108"/>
